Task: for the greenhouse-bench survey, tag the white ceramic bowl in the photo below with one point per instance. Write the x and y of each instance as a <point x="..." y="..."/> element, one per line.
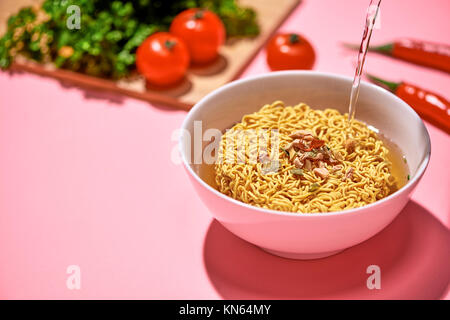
<point x="295" y="235"/>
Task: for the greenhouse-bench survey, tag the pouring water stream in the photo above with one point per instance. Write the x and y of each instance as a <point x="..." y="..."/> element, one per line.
<point x="368" y="28"/>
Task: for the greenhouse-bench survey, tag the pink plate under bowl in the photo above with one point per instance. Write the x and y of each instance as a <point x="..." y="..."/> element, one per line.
<point x="306" y="235"/>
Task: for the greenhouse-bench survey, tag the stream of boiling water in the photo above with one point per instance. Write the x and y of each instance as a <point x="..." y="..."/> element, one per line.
<point x="371" y="16"/>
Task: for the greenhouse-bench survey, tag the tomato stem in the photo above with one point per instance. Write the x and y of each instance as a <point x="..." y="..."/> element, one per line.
<point x="169" y="44"/>
<point x="198" y="14"/>
<point x="293" y="38"/>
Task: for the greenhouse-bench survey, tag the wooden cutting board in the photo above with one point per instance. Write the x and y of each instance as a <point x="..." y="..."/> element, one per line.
<point x="235" y="55"/>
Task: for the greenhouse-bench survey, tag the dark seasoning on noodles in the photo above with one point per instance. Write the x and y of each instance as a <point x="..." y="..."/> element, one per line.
<point x="316" y="166"/>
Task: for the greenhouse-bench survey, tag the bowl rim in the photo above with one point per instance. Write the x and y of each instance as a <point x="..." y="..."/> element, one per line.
<point x="419" y="173"/>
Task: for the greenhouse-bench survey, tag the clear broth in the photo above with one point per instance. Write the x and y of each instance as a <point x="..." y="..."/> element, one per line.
<point x="399" y="169"/>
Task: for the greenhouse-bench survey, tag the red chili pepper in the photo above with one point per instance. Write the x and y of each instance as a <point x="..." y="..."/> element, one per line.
<point x="430" y="106"/>
<point x="428" y="54"/>
<point x="315" y="143"/>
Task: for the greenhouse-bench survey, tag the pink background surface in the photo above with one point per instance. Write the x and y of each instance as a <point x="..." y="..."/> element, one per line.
<point x="87" y="179"/>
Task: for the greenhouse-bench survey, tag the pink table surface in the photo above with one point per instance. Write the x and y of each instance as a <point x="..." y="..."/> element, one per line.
<point x="86" y="179"/>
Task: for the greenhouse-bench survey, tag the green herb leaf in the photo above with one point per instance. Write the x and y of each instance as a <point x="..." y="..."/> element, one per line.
<point x="313" y="187"/>
<point x="311" y="154"/>
<point x="297" y="171"/>
<point x="285" y="151"/>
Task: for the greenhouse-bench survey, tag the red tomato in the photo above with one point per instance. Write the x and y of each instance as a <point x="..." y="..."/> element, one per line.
<point x="162" y="59"/>
<point x="290" y="51"/>
<point x="202" y="31"/>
